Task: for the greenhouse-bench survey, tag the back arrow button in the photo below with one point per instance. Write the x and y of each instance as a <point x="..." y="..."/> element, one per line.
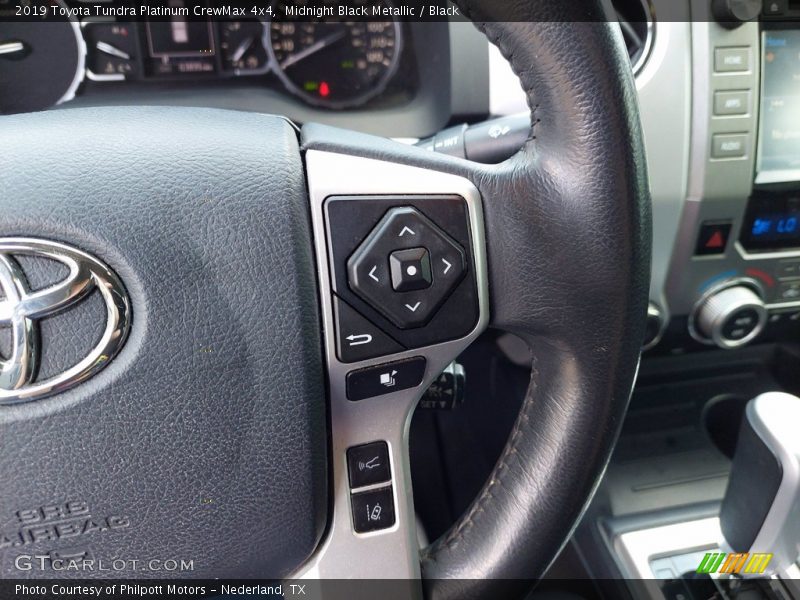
<point x="357" y="338"/>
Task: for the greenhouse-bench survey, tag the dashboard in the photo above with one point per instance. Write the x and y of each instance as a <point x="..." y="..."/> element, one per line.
<point x="377" y="76"/>
<point x="332" y="65"/>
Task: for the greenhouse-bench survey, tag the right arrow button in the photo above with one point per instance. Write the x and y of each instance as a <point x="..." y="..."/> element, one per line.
<point x="450" y="265"/>
<point x="447" y="266"/>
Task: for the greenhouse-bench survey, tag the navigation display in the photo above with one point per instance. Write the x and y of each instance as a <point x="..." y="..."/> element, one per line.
<point x="779" y="132"/>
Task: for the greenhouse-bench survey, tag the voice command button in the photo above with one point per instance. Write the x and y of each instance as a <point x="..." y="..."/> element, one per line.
<point x="368" y="464"/>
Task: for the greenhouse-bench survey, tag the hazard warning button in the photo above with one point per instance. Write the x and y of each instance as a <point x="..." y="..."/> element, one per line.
<point x="713" y="238"/>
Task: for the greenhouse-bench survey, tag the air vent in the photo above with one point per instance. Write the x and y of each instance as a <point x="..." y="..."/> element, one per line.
<point x="636" y="21"/>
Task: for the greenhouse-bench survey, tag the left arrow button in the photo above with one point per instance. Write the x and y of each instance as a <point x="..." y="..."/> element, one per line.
<point x="358" y="338"/>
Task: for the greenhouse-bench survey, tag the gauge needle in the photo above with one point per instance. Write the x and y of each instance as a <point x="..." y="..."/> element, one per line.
<point x="106" y="48"/>
<point x="242" y="48"/>
<point x="11" y="47"/>
<point x="315" y="47"/>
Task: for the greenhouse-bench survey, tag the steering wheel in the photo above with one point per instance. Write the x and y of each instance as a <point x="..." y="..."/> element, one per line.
<point x="214" y="426"/>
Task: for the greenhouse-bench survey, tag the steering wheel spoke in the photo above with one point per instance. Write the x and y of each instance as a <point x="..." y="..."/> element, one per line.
<point x="389" y="208"/>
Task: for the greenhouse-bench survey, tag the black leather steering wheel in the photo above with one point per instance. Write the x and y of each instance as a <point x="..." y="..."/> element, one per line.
<point x="205" y="436"/>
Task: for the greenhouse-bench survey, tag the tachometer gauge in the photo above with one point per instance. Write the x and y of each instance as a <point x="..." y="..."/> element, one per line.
<point x="41" y="64"/>
<point x="335" y="64"/>
<point x="112" y="48"/>
<point x="242" y="47"/>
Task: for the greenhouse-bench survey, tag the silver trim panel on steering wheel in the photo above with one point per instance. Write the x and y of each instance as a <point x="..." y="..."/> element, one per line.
<point x="390" y="553"/>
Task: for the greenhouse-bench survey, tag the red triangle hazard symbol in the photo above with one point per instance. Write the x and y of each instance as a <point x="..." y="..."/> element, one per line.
<point x="716" y="240"/>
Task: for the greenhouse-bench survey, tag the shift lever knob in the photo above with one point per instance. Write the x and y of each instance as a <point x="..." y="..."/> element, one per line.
<point x="761" y="509"/>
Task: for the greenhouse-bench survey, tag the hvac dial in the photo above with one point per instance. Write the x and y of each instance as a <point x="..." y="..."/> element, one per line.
<point x="335" y="64"/>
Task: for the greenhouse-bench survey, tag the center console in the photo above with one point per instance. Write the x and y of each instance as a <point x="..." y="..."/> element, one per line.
<point x="732" y="282"/>
<point x="734" y="276"/>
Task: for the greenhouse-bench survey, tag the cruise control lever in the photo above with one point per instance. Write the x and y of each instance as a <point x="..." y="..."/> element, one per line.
<point x="489" y="142"/>
<point x="447" y="391"/>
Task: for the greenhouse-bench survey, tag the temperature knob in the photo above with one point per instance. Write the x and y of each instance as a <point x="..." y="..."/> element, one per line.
<point x="731" y="317"/>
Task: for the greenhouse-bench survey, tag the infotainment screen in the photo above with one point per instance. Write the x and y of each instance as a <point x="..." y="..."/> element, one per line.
<point x="779" y="131"/>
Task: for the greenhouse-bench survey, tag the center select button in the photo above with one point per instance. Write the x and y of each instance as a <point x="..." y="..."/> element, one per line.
<point x="411" y="269"/>
<point x="385" y="379"/>
<point x="729" y="145"/>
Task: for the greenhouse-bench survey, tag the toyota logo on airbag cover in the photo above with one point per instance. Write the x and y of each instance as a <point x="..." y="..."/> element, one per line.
<point x="21" y="309"/>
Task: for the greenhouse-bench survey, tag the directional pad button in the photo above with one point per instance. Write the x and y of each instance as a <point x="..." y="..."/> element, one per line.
<point x="406" y="267"/>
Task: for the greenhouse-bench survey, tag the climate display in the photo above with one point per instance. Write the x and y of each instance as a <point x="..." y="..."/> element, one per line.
<point x="772" y="223"/>
<point x="772" y="226"/>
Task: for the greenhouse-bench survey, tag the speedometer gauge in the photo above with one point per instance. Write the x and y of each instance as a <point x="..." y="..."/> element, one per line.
<point x="242" y="47"/>
<point x="335" y="64"/>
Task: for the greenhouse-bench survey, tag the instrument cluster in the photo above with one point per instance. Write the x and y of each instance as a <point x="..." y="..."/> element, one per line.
<point x="335" y="65"/>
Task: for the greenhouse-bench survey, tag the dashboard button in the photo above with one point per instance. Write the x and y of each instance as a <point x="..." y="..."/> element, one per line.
<point x="731" y="103"/>
<point x="373" y="510"/>
<point x="411" y="269"/>
<point x="729" y="145"/>
<point x="713" y="238"/>
<point x="357" y="338"/>
<point x="740" y="324"/>
<point x="368" y="464"/>
<point x="788" y="269"/>
<point x="377" y="274"/>
<point x="731" y="60"/>
<point x="385" y="379"/>
<point x="775" y="7"/>
<point x="789" y="291"/>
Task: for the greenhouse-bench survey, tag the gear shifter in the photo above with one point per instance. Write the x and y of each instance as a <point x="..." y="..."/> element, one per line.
<point x="761" y="509"/>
